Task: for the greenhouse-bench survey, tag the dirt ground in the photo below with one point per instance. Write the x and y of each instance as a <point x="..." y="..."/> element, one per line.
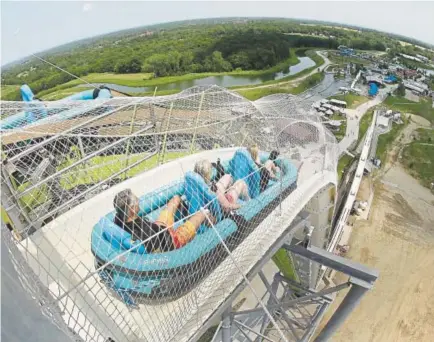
<point x="398" y="240"/>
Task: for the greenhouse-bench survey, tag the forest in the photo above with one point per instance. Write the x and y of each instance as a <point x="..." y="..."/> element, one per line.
<point x="189" y="47"/>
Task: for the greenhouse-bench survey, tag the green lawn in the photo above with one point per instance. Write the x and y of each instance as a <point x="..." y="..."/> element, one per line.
<point x="343" y="163"/>
<point x="101" y="167"/>
<point x="385" y="141"/>
<point x="308" y="83"/>
<point x="418" y="156"/>
<point x="256" y="93"/>
<point x="364" y="124"/>
<point x="423" y="108"/>
<point x="352" y="100"/>
<point x="340" y="134"/>
<point x="9" y="92"/>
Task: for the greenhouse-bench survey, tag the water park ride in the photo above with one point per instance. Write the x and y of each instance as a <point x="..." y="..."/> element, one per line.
<point x="107" y="287"/>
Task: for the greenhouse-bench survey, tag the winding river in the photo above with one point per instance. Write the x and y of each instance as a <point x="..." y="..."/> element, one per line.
<point x="223" y="80"/>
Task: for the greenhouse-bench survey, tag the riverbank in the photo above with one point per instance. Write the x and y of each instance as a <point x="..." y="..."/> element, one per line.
<point x="143" y="80"/>
<point x="255" y="93"/>
<point x="146" y="80"/>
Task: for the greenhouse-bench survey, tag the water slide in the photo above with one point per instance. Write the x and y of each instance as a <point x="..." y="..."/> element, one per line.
<point x="61" y="253"/>
<point x="36" y="111"/>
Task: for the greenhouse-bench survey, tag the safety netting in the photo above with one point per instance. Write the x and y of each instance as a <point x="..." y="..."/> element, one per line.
<point x="140" y="216"/>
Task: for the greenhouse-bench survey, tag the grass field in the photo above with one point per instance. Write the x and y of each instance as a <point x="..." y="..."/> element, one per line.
<point x="101" y="167"/>
<point x="385" y="140"/>
<point x="6" y="90"/>
<point x="364" y="124"/>
<point x="418" y="156"/>
<point x="308" y="83"/>
<point x="423" y="108"/>
<point x="352" y="100"/>
<point x="343" y="163"/>
<point x="258" y="92"/>
<point x="340" y="134"/>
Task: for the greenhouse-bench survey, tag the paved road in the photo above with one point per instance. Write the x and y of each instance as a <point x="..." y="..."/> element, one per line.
<point x="354" y="116"/>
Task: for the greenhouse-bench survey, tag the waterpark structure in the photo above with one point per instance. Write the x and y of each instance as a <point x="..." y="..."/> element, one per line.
<point x="61" y="173"/>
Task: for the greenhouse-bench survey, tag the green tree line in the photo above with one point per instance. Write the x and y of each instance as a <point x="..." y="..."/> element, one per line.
<point x="189" y="48"/>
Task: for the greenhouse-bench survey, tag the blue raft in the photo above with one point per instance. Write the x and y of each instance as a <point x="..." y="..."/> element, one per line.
<point x="35" y="110"/>
<point x="154" y="278"/>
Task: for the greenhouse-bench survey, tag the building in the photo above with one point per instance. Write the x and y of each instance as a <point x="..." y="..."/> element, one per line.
<point x="416" y="87"/>
<point x="406" y="73"/>
<point x="412" y="58"/>
<point x="382" y="122"/>
<point x="333" y="124"/>
<point x="338" y="103"/>
<point x="374" y="79"/>
<point x="423" y="58"/>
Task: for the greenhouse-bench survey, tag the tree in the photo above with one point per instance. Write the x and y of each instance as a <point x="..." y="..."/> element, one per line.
<point x="217" y="63"/>
<point x="400" y="91"/>
<point x="128" y="66"/>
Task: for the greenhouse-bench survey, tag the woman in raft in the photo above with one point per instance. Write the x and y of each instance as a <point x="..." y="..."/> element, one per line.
<point x="269" y="165"/>
<point x="161" y="239"/>
<point x="226" y="190"/>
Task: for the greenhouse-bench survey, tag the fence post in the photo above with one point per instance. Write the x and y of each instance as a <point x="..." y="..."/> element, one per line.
<point x="196" y="123"/>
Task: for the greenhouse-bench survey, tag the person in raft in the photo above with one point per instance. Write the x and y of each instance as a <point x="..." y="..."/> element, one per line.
<point x="269" y="164"/>
<point x="163" y="240"/>
<point x="226" y="190"/>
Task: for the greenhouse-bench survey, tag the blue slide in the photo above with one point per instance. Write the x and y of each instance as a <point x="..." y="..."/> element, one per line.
<point x="35" y="110"/>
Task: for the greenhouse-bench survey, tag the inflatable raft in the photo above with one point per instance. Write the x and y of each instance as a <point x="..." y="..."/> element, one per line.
<point x="35" y="110"/>
<point x="154" y="278"/>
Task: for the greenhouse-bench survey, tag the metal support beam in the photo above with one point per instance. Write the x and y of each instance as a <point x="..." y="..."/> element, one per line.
<point x="163" y="150"/>
<point x="226" y="325"/>
<point x="292" y="302"/>
<point x="193" y="140"/>
<point x="127" y="150"/>
<point x="275" y="300"/>
<point x="350" y="301"/>
<point x="241" y="325"/>
<point x="338" y="263"/>
<point x="314" y="323"/>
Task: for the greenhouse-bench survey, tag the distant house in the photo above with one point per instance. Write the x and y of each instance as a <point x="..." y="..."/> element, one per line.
<point x="423" y="58"/>
<point x="382" y="122"/>
<point x="412" y="58"/>
<point x="374" y="79"/>
<point x="338" y="103"/>
<point x="417" y="87"/>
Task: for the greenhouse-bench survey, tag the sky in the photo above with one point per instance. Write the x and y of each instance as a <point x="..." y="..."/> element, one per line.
<point x="33" y="26"/>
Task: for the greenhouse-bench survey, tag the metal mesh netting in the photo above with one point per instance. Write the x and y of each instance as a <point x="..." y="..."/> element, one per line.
<point x="141" y="215"/>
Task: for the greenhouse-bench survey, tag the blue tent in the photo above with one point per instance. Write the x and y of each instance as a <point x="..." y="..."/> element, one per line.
<point x="373" y="89"/>
<point x="390" y="79"/>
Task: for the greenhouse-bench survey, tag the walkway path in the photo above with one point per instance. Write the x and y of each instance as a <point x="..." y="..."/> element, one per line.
<point x="354" y="116"/>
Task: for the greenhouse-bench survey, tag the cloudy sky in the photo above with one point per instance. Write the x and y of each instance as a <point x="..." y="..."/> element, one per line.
<point x="33" y="26"/>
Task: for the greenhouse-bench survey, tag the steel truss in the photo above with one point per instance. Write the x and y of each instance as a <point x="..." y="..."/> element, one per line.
<point x="297" y="310"/>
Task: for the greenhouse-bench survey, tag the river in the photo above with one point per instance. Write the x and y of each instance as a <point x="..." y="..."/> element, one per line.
<point x="223" y="80"/>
